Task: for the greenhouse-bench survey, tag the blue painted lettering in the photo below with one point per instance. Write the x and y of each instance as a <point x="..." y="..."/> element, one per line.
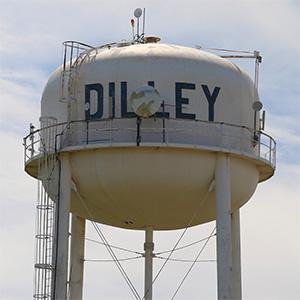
<point x="98" y="88"/>
<point x="112" y="99"/>
<point x="211" y="99"/>
<point x="179" y="100"/>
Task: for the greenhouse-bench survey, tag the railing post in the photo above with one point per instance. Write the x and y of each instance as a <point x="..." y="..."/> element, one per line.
<point x="274" y="153"/>
<point x="54" y="138"/>
<point x="242" y="134"/>
<point x="71" y="55"/>
<point x="166" y="133"/>
<point x="270" y="150"/>
<point x="65" y="57"/>
<point x="259" y="147"/>
<point x="110" y="132"/>
<point x="164" y="122"/>
<point x="48" y="135"/>
<point x="221" y="133"/>
<point x="87" y="131"/>
<point x="25" y="149"/>
<point x="138" y="131"/>
<point x="194" y="135"/>
<point x="32" y="140"/>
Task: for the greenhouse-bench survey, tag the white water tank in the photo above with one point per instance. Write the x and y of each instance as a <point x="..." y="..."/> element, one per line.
<point x="161" y="182"/>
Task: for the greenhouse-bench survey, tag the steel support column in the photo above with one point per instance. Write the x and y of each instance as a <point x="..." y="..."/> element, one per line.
<point x="62" y="230"/>
<point x="148" y="247"/>
<point x="223" y="221"/>
<point x="236" y="255"/>
<point x="77" y="257"/>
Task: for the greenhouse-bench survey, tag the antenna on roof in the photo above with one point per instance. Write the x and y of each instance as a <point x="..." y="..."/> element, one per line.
<point x="138" y="12"/>
<point x="144" y="20"/>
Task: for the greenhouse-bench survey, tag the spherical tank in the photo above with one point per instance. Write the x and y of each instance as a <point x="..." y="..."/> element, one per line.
<point x="169" y="175"/>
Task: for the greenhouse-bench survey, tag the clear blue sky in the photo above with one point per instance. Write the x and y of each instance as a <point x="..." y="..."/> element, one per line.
<point x="30" y="49"/>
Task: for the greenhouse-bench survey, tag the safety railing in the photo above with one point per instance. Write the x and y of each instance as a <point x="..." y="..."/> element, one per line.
<point x="213" y="136"/>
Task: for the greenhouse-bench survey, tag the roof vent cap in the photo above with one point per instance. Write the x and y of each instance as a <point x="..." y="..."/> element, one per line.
<point x="151" y="39"/>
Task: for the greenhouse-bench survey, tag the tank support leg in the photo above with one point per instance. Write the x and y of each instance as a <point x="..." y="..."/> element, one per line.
<point x="223" y="220"/>
<point x="148" y="247"/>
<point x="236" y="255"/>
<point x="77" y="257"/>
<point x="62" y="231"/>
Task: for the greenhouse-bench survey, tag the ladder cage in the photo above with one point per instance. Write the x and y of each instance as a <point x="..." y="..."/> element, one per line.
<point x="74" y="54"/>
<point x="48" y="169"/>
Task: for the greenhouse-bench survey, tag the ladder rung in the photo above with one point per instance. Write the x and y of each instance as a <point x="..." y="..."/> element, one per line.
<point x="44" y="206"/>
<point x="43" y="266"/>
<point x="42" y="236"/>
<point x="41" y="296"/>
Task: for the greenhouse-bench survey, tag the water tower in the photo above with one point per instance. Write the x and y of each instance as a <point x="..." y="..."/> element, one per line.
<point x="147" y="136"/>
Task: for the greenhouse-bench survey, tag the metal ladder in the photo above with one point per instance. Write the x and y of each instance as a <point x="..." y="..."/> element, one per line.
<point x="45" y="211"/>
